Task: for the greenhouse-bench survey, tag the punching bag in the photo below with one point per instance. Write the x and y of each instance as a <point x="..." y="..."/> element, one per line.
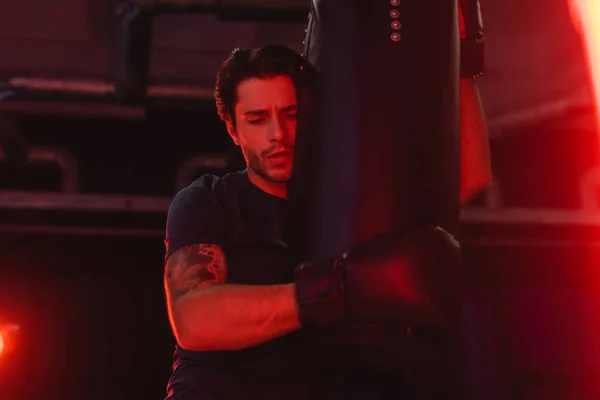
<point x="378" y="137"/>
<point x="378" y="150"/>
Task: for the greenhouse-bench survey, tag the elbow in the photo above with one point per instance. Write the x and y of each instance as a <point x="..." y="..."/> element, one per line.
<point x="203" y="339"/>
<point x="182" y="333"/>
<point x="191" y="338"/>
<point x="196" y="329"/>
<point x="185" y="338"/>
<point x="189" y="343"/>
<point x="187" y="328"/>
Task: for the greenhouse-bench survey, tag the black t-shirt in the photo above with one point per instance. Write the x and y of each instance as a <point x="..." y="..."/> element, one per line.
<point x="246" y="223"/>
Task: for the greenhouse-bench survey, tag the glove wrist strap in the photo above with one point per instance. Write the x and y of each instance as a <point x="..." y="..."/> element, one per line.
<point x="320" y="292"/>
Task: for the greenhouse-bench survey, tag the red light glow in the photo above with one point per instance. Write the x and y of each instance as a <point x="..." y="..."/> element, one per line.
<point x="585" y="15"/>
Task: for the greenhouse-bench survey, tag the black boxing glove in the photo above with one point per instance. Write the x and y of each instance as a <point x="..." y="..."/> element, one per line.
<point x="414" y="279"/>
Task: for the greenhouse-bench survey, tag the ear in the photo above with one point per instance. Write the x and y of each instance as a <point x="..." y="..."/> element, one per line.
<point x="232" y="132"/>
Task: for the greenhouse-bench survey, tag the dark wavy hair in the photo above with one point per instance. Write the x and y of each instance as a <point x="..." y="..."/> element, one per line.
<point x="262" y="62"/>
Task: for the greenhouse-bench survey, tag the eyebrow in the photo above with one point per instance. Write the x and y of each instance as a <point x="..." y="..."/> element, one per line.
<point x="260" y="112"/>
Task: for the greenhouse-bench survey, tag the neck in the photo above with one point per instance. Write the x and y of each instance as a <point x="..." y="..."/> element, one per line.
<point x="272" y="188"/>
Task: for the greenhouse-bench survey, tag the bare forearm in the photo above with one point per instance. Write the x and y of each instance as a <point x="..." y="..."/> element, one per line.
<point x="230" y="317"/>
<point x="475" y="167"/>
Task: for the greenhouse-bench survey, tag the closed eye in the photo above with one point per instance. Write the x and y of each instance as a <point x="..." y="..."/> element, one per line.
<point x="256" y="121"/>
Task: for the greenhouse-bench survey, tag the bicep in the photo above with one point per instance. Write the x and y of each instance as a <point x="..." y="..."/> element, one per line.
<point x="194" y="267"/>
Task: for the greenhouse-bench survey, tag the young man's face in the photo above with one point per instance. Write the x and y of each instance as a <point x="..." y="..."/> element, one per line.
<point x="265" y="126"/>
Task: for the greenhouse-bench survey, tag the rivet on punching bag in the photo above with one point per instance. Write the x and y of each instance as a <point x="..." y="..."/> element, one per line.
<point x="378" y="136"/>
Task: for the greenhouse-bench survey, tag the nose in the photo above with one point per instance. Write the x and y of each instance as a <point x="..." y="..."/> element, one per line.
<point x="277" y="132"/>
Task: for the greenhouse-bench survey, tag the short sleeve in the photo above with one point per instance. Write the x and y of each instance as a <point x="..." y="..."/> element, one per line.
<point x="195" y="216"/>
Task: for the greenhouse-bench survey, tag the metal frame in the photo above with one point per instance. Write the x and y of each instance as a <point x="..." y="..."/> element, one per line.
<point x="530" y="115"/>
<point x="71" y="109"/>
<point x="530" y="216"/>
<point x="160" y="205"/>
<point x="79" y="230"/>
<point x="65" y="162"/>
<point x="135" y="34"/>
<point x="21" y="200"/>
<point x="100" y="88"/>
<point x="94" y="98"/>
<point x="279" y="10"/>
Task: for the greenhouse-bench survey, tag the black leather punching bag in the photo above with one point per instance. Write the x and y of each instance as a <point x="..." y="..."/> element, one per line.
<point x="377" y="150"/>
<point x="378" y="136"/>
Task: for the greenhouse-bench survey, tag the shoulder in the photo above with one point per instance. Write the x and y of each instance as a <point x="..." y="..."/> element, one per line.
<point x="209" y="190"/>
<point x="198" y="192"/>
<point x="201" y="212"/>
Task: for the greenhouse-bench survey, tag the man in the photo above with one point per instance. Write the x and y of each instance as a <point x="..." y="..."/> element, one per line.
<point x="227" y="269"/>
<point x="228" y="277"/>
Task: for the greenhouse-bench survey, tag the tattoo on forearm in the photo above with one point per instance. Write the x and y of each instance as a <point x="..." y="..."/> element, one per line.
<point x="194" y="267"/>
